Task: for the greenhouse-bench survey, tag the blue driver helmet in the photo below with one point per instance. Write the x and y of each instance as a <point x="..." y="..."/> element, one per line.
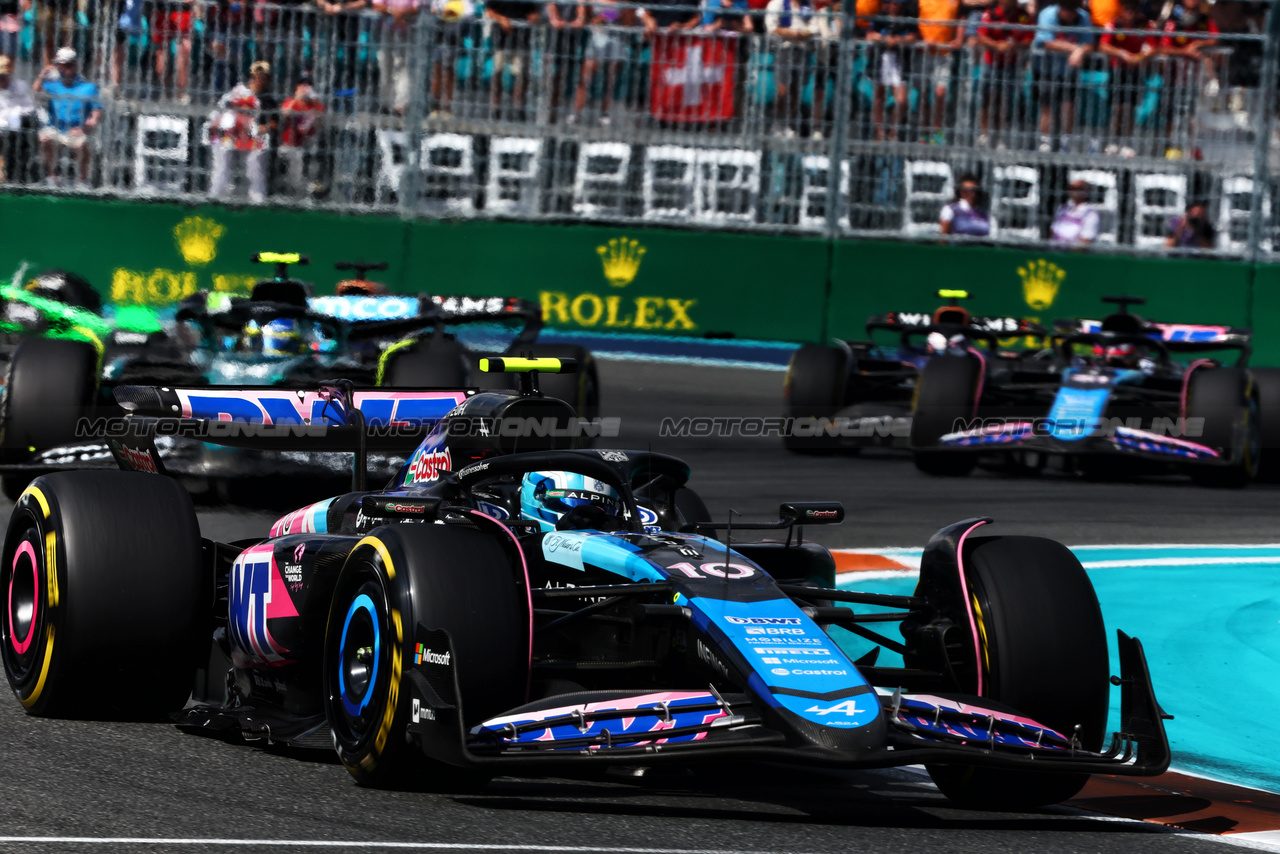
<point x="562" y="500"/>
<point x="282" y="337"/>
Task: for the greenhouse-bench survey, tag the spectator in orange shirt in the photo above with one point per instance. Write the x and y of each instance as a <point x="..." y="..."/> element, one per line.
<point x="940" y="37"/>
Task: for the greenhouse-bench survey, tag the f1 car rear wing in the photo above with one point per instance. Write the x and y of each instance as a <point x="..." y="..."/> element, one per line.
<point x="1177" y="337"/>
<point x="983" y="327"/>
<point x="334" y="417"/>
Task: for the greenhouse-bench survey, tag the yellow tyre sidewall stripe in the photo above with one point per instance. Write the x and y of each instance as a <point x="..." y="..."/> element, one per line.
<point x="53" y="595"/>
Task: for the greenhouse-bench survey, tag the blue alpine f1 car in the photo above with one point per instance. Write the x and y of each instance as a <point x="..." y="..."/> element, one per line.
<point x="512" y="604"/>
<point x="1120" y="395"/>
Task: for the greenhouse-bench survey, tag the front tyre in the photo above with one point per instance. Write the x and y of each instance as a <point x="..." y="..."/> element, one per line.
<point x="1226" y="400"/>
<point x="946" y="395"/>
<point x="107" y="603"/>
<point x="817" y="377"/>
<point x="1043" y="652"/>
<point x="444" y="577"/>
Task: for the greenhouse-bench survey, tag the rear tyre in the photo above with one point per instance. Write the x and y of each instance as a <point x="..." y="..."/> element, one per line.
<point x="815" y="389"/>
<point x="1267" y="383"/>
<point x="51" y="386"/>
<point x="946" y="392"/>
<point x="438" y="363"/>
<point x="399" y="577"/>
<point x="1227" y="401"/>
<point x="100" y="566"/>
<point x="1044" y="654"/>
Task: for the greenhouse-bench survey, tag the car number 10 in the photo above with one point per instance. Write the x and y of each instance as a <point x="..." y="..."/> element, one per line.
<point x="716" y="570"/>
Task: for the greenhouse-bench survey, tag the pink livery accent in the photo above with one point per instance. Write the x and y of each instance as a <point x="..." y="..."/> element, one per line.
<point x="968" y="603"/>
<point x="258" y="594"/>
<point x="608" y="705"/>
<point x="969" y="708"/>
<point x="314" y="518"/>
<point x="982" y="376"/>
<point x="21" y="646"/>
<point x="528" y="593"/>
<point x="1186" y="380"/>
<point x="285" y="406"/>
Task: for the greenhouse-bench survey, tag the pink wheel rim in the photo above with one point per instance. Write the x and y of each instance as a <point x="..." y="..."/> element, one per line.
<point x="22" y="646"/>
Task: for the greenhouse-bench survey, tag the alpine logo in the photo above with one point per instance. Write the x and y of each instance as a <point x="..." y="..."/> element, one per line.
<point x="764" y="621"/>
<point x="427" y="465"/>
<point x="428" y="656"/>
<point x="848" y="707"/>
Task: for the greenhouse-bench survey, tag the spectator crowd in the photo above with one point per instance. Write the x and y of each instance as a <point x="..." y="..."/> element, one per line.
<point x="1113" y="77"/>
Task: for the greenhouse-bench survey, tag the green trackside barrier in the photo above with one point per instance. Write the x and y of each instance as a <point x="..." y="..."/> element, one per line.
<point x="622" y="279"/>
<point x="653" y="281"/>
<point x="876" y="276"/>
<point x="592" y="278"/>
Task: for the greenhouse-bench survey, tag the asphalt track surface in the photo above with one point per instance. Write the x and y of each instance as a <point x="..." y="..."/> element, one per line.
<point x="125" y="783"/>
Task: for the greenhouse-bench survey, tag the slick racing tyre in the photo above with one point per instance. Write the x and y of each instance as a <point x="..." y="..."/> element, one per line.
<point x="1227" y="401"/>
<point x="51" y="386"/>
<point x="946" y="393"/>
<point x="108" y="608"/>
<point x="815" y="389"/>
<point x="1267" y="382"/>
<point x="1043" y="653"/>
<point x="440" y="577"/>
<point x="428" y="363"/>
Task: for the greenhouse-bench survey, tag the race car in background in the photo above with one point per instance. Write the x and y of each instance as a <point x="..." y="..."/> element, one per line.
<point x="854" y="394"/>
<point x="510" y="605"/>
<point x="60" y="370"/>
<point x="1113" y="397"/>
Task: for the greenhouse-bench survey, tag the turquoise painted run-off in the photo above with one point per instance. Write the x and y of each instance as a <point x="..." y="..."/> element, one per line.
<point x="1209" y="620"/>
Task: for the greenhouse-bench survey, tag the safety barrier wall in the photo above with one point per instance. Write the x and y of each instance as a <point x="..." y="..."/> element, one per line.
<point x="627" y="280"/>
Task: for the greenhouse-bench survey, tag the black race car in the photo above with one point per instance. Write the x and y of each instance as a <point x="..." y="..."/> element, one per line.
<point x="1111" y="397"/>
<point x="512" y="605"/>
<point x="854" y="394"/>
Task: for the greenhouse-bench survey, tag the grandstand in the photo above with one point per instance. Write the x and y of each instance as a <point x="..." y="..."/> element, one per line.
<point x="725" y="117"/>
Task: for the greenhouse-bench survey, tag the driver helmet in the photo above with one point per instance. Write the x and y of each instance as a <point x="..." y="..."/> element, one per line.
<point x="1122" y="355"/>
<point x="282" y="337"/>
<point x="551" y="498"/>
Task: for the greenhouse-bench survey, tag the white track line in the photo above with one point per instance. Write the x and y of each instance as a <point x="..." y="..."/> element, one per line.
<point x="408" y="846"/>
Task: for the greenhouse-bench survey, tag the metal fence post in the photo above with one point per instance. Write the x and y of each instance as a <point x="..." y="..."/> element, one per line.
<point x="840" y="132"/>
<point x="421" y="55"/>
<point x="1262" y="143"/>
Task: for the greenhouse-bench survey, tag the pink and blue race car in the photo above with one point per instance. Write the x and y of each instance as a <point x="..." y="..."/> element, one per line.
<point x="513" y="604"/>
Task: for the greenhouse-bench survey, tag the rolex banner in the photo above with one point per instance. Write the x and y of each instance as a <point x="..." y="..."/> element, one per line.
<point x="692" y="78"/>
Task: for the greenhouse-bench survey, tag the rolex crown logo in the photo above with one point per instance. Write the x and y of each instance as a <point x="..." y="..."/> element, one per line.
<point x="197" y="239"/>
<point x="1040" y="282"/>
<point x="621" y="259"/>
